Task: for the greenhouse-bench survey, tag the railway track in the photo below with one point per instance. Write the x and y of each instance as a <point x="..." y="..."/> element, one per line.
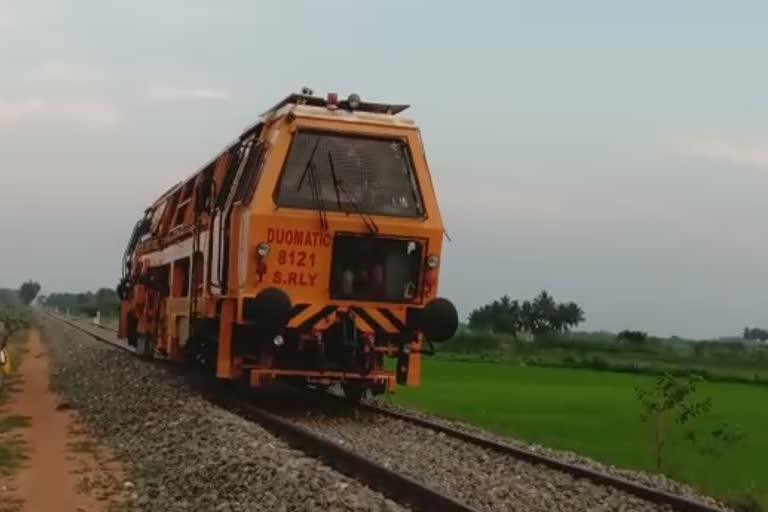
<point x="677" y="502"/>
<point x="398" y="487"/>
<point x="325" y="441"/>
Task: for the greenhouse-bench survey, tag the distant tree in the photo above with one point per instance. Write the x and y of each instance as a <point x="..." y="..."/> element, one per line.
<point x="8" y="297"/>
<point x="104" y="300"/>
<point x="28" y="291"/>
<point x="498" y="316"/>
<point x="545" y="309"/>
<point x="574" y="315"/>
<point x="558" y="320"/>
<point x="105" y="295"/>
<point x="528" y="317"/>
<point x="509" y="319"/>
<point x="480" y="318"/>
<point x="755" y="334"/>
<point x="637" y="337"/>
<point x="539" y="316"/>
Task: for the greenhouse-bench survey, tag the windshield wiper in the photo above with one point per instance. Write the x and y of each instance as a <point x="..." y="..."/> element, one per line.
<point x="315" y="186"/>
<point x="310" y="160"/>
<point x="335" y="180"/>
<point x="367" y="219"/>
<point x="317" y="195"/>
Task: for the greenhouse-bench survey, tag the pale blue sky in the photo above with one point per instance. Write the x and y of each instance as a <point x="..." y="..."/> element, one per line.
<point x="614" y="153"/>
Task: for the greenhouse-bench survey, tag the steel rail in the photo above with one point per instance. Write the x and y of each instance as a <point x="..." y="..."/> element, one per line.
<point x="656" y="496"/>
<point x="392" y="484"/>
<point x="352" y="464"/>
<point x="92" y="333"/>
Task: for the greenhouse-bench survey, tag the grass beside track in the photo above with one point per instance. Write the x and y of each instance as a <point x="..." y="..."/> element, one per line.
<point x="595" y="413"/>
<point x="12" y="451"/>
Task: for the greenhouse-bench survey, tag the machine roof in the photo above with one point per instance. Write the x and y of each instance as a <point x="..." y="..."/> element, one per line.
<point x="315" y="101"/>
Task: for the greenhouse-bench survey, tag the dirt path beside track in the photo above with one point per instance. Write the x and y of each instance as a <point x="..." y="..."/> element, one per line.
<point x="54" y="465"/>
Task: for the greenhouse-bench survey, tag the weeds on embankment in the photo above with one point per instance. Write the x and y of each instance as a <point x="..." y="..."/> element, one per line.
<point x="16" y="321"/>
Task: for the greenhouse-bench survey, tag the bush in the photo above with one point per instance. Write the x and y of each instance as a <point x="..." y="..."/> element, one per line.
<point x="14" y="319"/>
<point x="599" y="342"/>
<point x="637" y="337"/>
<point x="86" y="303"/>
<point x="476" y="343"/>
<point x="745" y="504"/>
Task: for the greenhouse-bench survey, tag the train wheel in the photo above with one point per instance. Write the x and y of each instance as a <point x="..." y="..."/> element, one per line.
<point x="378" y="389"/>
<point x="202" y="351"/>
<point x="132" y="327"/>
<point x="317" y="389"/>
<point x="145" y="347"/>
<point x="354" y="392"/>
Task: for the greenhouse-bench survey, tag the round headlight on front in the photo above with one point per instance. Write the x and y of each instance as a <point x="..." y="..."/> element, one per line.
<point x="433" y="261"/>
<point x="262" y="249"/>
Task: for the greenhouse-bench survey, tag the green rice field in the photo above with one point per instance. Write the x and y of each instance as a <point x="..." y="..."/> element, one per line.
<point x="595" y="413"/>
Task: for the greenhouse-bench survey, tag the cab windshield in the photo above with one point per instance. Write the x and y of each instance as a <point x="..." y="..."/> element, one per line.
<point x="349" y="173"/>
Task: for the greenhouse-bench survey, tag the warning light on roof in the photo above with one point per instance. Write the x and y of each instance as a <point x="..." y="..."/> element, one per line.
<point x="332" y="99"/>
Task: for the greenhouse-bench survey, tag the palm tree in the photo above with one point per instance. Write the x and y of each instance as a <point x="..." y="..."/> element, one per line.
<point x="515" y="317"/>
<point x="574" y="315"/>
<point x="539" y="316"/>
<point x="545" y="308"/>
<point x="481" y="318"/>
<point x="559" y="320"/>
<point x="527" y="316"/>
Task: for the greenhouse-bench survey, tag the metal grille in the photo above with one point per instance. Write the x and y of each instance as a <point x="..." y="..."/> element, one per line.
<point x="349" y="173"/>
<point x="373" y="268"/>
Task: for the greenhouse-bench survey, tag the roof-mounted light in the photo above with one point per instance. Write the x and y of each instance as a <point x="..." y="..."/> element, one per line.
<point x="332" y="100"/>
<point x="353" y="101"/>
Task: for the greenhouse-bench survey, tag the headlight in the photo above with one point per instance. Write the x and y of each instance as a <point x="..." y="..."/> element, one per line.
<point x="262" y="249"/>
<point x="433" y="261"/>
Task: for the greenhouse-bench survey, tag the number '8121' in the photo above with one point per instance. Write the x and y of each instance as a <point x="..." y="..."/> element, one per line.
<point x="296" y="258"/>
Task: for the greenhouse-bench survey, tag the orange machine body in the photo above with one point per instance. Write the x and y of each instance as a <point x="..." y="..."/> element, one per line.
<point x="309" y="250"/>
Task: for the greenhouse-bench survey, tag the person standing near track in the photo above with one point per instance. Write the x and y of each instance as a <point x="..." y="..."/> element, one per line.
<point x="5" y="361"/>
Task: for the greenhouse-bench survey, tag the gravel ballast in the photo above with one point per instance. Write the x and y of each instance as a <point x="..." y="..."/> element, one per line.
<point x="479" y="477"/>
<point x="652" y="480"/>
<point x="186" y="454"/>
